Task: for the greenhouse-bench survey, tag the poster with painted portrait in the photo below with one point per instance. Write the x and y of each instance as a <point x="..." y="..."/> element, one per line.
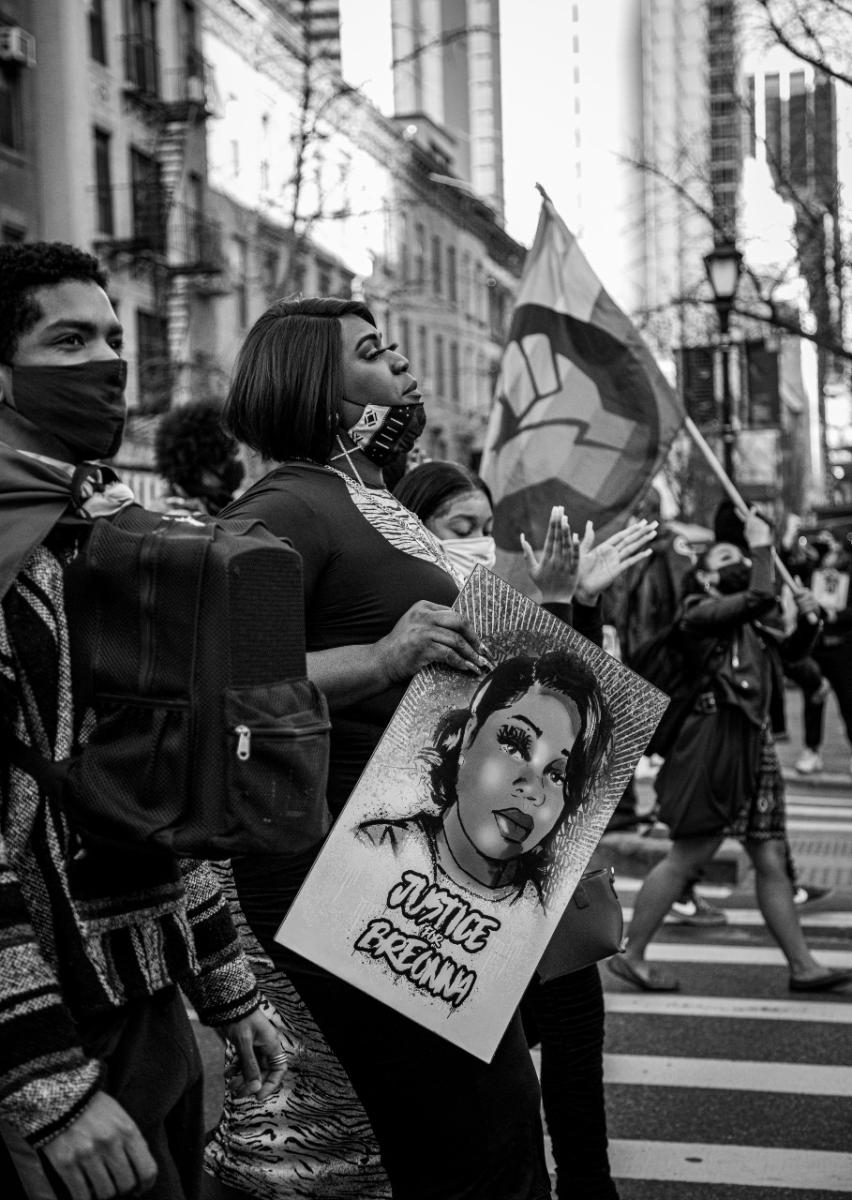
<point x="445" y="875"/>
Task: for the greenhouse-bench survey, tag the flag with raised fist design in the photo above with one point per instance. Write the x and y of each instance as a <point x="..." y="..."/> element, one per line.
<point x="582" y="414"/>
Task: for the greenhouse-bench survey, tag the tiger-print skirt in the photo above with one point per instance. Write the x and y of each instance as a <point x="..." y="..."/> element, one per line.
<point x="311" y="1138"/>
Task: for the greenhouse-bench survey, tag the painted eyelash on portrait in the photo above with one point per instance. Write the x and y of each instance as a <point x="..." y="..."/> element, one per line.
<point x="515" y="739"/>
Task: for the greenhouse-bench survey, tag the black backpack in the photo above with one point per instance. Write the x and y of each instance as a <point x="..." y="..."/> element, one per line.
<point x="187" y="642"/>
<point x="680" y="668"/>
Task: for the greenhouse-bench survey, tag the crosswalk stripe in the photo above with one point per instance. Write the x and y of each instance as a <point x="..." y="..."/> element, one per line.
<point x="711" y="891"/>
<point x="819" y="810"/>
<point x="735" y="1008"/>
<point x="755" y="1166"/>
<point x="805" y="825"/>
<point x="749" y="956"/>
<point x="733" y="1075"/>
<point x="751" y="917"/>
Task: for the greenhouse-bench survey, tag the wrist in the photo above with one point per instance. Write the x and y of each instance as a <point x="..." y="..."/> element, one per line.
<point x="557" y="596"/>
<point x="382" y="656"/>
<point x="583" y="595"/>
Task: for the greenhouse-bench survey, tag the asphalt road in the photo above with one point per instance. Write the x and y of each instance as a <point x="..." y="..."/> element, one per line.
<point x="734" y="1089"/>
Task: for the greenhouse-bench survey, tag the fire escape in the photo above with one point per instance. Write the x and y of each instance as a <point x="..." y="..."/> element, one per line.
<point x="169" y="240"/>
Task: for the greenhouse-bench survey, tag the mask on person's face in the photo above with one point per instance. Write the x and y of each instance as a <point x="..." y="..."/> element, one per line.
<point x="467" y="553"/>
<point x="734" y="577"/>
<point x="81" y="406"/>
<point x="383" y="431"/>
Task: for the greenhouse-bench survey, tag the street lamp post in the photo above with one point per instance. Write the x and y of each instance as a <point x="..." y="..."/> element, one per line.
<point x="723" y="265"/>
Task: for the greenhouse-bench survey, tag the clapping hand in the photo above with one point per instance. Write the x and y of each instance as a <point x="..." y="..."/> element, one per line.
<point x="554" y="571"/>
<point x="601" y="565"/>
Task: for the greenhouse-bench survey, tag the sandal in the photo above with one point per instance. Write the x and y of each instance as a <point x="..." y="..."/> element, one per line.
<point x="654" y="981"/>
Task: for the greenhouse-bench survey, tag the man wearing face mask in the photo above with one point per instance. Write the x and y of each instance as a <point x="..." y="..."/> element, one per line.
<point x="722" y="776"/>
<point x="100" y="1078"/>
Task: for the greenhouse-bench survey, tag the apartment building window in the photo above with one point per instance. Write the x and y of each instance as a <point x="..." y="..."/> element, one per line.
<point x="422" y="371"/>
<point x="465" y="283"/>
<point x="141" y="60"/>
<point x="271" y="269"/>
<point x="479" y="301"/>
<point x="149" y="224"/>
<point x="440" y="372"/>
<point x="97" y="32"/>
<point x="419" y="254"/>
<point x="240" y="279"/>
<point x="452" y="276"/>
<point x="189" y="40"/>
<point x="437" y="265"/>
<point x="455" y="373"/>
<point x="404" y="255"/>
<point x="104" y="217"/>
<point x="153" y="363"/>
<point x="11" y="235"/>
<point x="11" y="116"/>
<point x="324" y="280"/>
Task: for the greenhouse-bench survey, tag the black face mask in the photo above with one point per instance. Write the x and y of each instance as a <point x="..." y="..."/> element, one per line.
<point x="735" y="577"/>
<point x="82" y="406"/>
<point x="383" y="432"/>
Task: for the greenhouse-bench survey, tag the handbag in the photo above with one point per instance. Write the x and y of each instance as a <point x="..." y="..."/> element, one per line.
<point x="590" y="928"/>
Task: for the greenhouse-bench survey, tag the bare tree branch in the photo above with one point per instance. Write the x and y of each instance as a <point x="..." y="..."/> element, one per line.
<point x="767" y="314"/>
<point x="813" y="50"/>
<point x="446" y="39"/>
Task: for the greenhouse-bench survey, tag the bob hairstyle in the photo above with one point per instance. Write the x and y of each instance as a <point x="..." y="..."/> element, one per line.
<point x="287" y="386"/>
<point x="562" y="671"/>
<point x="429" y="486"/>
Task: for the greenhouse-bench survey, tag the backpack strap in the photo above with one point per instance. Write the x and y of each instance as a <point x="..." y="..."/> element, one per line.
<point x="48" y="774"/>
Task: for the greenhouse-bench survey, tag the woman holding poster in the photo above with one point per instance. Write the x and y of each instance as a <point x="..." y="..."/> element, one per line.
<point x="317" y="391"/>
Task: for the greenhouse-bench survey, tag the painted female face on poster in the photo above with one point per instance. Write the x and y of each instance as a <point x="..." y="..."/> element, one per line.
<point x="442" y="882"/>
<point x="505" y="772"/>
<point x="511" y="778"/>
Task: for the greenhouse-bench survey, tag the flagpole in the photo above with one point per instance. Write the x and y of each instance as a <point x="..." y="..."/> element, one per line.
<point x="740" y="504"/>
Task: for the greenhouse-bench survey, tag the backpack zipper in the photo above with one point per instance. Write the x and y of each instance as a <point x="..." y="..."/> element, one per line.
<point x="243" y="742"/>
<point x="146" y="592"/>
<point x="244" y="734"/>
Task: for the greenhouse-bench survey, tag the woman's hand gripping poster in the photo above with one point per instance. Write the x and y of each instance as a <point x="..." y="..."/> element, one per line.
<point x="443" y="879"/>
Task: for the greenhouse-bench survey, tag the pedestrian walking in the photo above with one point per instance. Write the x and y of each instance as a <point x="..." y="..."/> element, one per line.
<point x="833" y="650"/>
<point x="100" y="1077"/>
<point x="723" y="774"/>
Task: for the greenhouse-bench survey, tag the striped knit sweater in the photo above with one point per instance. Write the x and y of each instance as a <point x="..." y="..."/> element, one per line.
<point x="79" y="936"/>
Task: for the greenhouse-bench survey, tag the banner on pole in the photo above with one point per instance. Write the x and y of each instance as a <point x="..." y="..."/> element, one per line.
<point x="582" y="414"/>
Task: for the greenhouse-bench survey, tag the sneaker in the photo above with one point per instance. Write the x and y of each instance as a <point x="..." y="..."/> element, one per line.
<point x="808" y="762"/>
<point x="697" y="911"/>
<point x="810" y="894"/>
